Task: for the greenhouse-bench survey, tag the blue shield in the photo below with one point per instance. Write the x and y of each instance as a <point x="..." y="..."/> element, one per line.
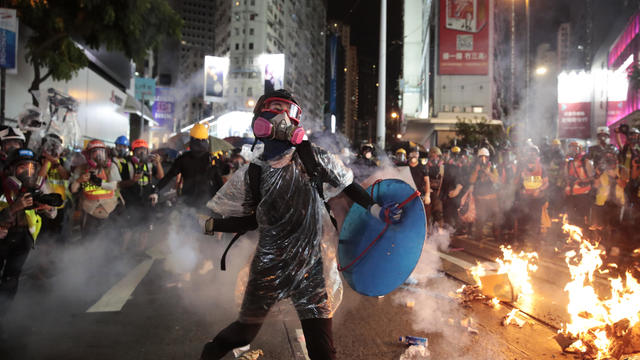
<point x="390" y="261"/>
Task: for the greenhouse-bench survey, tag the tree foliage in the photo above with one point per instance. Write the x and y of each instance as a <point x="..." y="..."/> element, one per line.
<point x="473" y="132"/>
<point x="58" y="27"/>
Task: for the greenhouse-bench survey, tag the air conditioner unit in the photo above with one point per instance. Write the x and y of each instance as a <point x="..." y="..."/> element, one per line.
<point x="446" y="108"/>
<point x="467" y="109"/>
<point x="456" y="109"/>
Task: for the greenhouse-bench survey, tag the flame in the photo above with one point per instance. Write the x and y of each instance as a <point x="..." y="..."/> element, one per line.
<point x="495" y="302"/>
<point x="517" y="266"/>
<point x="593" y="318"/>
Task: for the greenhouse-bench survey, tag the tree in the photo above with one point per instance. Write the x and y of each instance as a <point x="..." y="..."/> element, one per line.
<point x="59" y="26"/>
<point x="473" y="132"/>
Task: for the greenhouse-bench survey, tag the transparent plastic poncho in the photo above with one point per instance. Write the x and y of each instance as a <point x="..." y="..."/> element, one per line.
<point x="296" y="253"/>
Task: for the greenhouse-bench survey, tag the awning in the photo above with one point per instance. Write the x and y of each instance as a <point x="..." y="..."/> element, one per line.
<point x="132" y="106"/>
<point x="421" y="130"/>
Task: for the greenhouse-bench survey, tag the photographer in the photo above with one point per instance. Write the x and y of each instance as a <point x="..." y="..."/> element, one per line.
<point x="20" y="221"/>
<point x="96" y="182"/>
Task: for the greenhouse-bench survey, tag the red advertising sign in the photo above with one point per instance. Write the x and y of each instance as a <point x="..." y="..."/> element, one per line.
<point x="573" y="120"/>
<point x="464" y="37"/>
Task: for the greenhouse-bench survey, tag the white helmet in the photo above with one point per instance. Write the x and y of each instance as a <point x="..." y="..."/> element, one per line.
<point x="483" y="152"/>
<point x="11" y="133"/>
<point x="603" y="130"/>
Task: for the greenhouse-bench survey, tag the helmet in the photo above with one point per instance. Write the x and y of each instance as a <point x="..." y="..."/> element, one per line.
<point x="366" y="147"/>
<point x="52" y="144"/>
<point x="603" y="130"/>
<point x="435" y="151"/>
<point x="199" y="131"/>
<point x="11" y="133"/>
<point x="634" y="135"/>
<point x="401" y="151"/>
<point x="122" y="140"/>
<point x="24" y="168"/>
<point x="139" y="143"/>
<point x="483" y="152"/>
<point x="556" y="142"/>
<point x="96" y="153"/>
<point x="455" y="150"/>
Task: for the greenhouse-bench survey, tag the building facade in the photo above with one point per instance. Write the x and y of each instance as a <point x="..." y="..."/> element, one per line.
<point x="250" y="29"/>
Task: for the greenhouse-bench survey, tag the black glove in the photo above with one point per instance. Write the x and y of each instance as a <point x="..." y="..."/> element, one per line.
<point x="95" y="180"/>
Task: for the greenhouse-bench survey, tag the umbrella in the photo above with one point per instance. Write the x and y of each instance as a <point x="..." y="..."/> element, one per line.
<point x="237" y="141"/>
<point x="217" y="144"/>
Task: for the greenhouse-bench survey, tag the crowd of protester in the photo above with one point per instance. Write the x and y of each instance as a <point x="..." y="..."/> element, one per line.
<point x="523" y="192"/>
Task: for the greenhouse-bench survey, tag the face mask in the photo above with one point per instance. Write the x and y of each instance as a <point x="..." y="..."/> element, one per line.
<point x="27" y="174"/>
<point x="98" y="158"/>
<point x="141" y="155"/>
<point x="277" y="126"/>
<point x="122" y="151"/>
<point x="274" y="148"/>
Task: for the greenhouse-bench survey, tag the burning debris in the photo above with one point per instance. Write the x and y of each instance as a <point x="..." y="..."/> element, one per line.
<point x="512" y="319"/>
<point x="415" y="352"/>
<point x="251" y="355"/>
<point x="601" y="327"/>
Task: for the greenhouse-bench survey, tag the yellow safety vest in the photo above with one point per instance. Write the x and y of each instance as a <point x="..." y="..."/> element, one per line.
<point x="603" y="191"/>
<point x="34" y="221"/>
<point x="57" y="184"/>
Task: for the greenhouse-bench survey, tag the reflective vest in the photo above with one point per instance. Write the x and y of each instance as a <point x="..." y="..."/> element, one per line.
<point x="532" y="180"/>
<point x="57" y="184"/>
<point x="604" y="191"/>
<point x="146" y="171"/>
<point x="577" y="172"/>
<point x="94" y="192"/>
<point x="34" y="221"/>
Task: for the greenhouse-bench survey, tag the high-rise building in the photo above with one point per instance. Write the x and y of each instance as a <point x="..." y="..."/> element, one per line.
<point x="341" y="83"/>
<point x="257" y="27"/>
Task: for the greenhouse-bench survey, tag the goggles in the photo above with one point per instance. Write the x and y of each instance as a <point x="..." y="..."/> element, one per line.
<point x="294" y="112"/>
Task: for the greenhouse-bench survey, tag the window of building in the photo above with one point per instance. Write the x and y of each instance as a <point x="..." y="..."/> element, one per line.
<point x="237" y="46"/>
<point x="237" y="31"/>
<point x="253" y="2"/>
<point x="249" y="91"/>
<point x="250" y="46"/>
<point x="235" y="90"/>
<point x="251" y="31"/>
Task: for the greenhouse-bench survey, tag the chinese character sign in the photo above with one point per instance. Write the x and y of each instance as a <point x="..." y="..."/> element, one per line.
<point x="464" y="37"/>
<point x="145" y="88"/>
<point x="164" y="108"/>
<point x="8" y="38"/>
<point x="215" y="69"/>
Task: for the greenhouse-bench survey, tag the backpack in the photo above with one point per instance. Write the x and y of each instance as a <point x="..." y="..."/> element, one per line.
<point x="315" y="172"/>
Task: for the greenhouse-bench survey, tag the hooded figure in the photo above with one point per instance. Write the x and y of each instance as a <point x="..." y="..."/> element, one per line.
<point x="296" y="254"/>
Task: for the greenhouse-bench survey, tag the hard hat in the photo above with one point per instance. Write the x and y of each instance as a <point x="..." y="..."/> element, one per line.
<point x="483" y="152"/>
<point x="20" y="155"/>
<point x="11" y="133"/>
<point x="95" y="144"/>
<point x="603" y="130"/>
<point x="455" y="149"/>
<point x="199" y="131"/>
<point x="574" y="143"/>
<point x="139" y="143"/>
<point x="122" y="140"/>
<point x="401" y="150"/>
<point x="556" y="142"/>
<point x="435" y="151"/>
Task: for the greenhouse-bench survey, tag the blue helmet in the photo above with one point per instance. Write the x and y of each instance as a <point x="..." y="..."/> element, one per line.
<point x="122" y="140"/>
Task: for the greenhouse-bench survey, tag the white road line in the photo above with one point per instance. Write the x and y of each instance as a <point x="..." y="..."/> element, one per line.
<point x="303" y="343"/>
<point x="117" y="296"/>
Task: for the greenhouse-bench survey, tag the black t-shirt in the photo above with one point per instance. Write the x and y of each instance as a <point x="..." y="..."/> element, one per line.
<point x="201" y="179"/>
<point x="418" y="173"/>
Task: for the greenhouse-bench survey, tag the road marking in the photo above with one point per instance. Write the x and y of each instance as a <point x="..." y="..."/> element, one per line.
<point x="117" y="296"/>
<point x="303" y="343"/>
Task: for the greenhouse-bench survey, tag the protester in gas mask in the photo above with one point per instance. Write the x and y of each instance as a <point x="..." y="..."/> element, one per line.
<point x="598" y="152"/>
<point x="364" y="165"/>
<point x="26" y="199"/>
<point x="610" y="199"/>
<point x="96" y="183"/>
<point x="579" y="176"/>
<point x="10" y="139"/>
<point x="201" y="179"/>
<point x="136" y="186"/>
<point x="122" y="154"/>
<point x="531" y="183"/>
<point x="484" y="181"/>
<point x="282" y="194"/>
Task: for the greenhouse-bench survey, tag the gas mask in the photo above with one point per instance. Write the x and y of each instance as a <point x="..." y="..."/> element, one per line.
<point x="26" y="174"/>
<point x="140" y="155"/>
<point x="275" y="125"/>
<point x="98" y="158"/>
<point x="122" y="150"/>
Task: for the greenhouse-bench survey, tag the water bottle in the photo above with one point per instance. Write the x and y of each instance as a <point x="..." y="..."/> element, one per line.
<point x="414" y="340"/>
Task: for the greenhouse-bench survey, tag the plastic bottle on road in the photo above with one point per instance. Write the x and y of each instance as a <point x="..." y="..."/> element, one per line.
<point x="414" y="340"/>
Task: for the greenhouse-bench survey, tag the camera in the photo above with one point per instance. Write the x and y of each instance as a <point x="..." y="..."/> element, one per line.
<point x="52" y="199"/>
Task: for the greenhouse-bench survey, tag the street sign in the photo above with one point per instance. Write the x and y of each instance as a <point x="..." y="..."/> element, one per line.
<point x="164" y="107"/>
<point x="145" y="88"/>
<point x="8" y="39"/>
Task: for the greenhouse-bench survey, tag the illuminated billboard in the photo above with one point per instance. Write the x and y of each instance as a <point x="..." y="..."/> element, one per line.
<point x="464" y="37"/>
<point x="272" y="71"/>
<point x="215" y="73"/>
<point x="575" y="91"/>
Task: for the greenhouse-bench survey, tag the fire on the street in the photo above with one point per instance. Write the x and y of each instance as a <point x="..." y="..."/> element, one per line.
<point x="600" y="327"/>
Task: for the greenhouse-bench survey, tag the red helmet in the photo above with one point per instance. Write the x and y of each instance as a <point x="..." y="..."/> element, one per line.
<point x="95" y="144"/>
<point x="139" y="143"/>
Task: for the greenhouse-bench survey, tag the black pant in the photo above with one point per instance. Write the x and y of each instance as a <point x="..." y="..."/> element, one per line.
<point x="14" y="250"/>
<point x="317" y="334"/>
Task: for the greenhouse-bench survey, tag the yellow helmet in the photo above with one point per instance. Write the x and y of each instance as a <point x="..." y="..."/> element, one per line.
<point x="401" y="150"/>
<point x="199" y="131"/>
<point x="455" y="149"/>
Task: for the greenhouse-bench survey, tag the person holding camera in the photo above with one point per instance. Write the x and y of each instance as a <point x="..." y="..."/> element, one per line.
<point x="96" y="184"/>
<point x="26" y="199"/>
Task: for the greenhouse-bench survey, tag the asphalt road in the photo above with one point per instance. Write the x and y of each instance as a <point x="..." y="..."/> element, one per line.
<point x="98" y="304"/>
